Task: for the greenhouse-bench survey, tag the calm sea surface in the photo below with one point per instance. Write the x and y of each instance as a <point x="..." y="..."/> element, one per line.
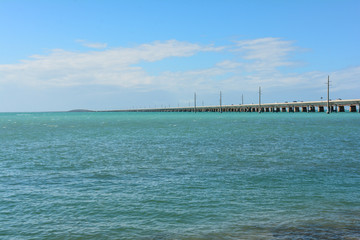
<point x="179" y="176"/>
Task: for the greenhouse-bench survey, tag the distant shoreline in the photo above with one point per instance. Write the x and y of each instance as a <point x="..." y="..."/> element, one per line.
<point x="81" y="110"/>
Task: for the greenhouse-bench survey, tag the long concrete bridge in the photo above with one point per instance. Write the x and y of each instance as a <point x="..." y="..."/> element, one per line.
<point x="351" y="105"/>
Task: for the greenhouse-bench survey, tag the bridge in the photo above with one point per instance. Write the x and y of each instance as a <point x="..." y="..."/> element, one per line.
<point x="351" y="105"/>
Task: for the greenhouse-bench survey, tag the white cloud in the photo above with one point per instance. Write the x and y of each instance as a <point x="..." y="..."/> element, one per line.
<point x="253" y="63"/>
<point x="345" y="79"/>
<point x="266" y="54"/>
<point x="109" y="67"/>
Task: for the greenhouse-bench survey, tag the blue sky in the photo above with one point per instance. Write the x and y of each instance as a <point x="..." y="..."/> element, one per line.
<point x="69" y="54"/>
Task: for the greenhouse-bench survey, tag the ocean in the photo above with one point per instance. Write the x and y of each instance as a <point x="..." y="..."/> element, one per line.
<point x="179" y="176"/>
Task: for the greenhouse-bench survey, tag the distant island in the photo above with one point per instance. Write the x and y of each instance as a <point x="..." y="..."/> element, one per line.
<point x="81" y="110"/>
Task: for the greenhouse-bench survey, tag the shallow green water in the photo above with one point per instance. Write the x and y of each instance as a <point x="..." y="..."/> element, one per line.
<point x="179" y="176"/>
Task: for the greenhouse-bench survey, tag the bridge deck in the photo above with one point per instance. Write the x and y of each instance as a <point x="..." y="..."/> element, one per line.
<point x="289" y="106"/>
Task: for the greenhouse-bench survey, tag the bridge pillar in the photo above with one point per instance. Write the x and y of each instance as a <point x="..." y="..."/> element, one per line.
<point x="321" y="109"/>
<point x="341" y="108"/>
<point x="283" y="109"/>
<point x="311" y="109"/>
<point x="304" y="109"/>
<point x="291" y="109"/>
<point x="333" y="109"/>
<point x="352" y="108"/>
<point x="297" y="109"/>
<point x="267" y="109"/>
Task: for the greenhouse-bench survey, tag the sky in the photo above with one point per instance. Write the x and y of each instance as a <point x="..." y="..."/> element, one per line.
<point x="61" y="55"/>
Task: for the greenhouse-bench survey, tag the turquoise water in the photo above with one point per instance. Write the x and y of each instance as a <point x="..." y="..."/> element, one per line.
<point x="179" y="176"/>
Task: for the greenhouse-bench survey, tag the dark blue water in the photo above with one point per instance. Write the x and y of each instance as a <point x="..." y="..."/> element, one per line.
<point x="179" y="176"/>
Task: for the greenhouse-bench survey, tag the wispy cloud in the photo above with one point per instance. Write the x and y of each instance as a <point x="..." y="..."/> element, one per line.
<point x="115" y="66"/>
<point x="266" y="54"/>
<point x="346" y="79"/>
<point x="252" y="63"/>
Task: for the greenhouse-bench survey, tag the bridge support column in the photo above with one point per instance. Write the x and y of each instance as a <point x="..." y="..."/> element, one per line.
<point x="291" y="109"/>
<point x="341" y="108"/>
<point x="352" y="108"/>
<point x="283" y="109"/>
<point x="297" y="109"/>
<point x="267" y="109"/>
<point x="321" y="109"/>
<point x="304" y="109"/>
